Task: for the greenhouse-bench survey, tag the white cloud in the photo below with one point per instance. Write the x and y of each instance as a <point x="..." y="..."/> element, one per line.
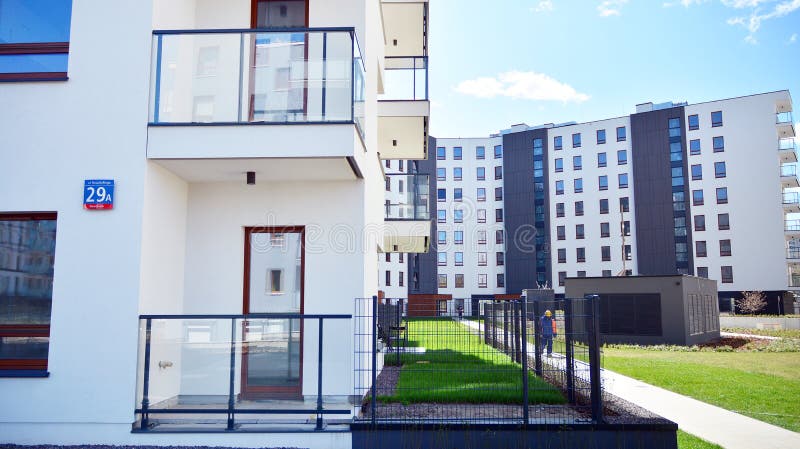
<point x="610" y="8"/>
<point x="757" y="16"/>
<point x="521" y="85"/>
<point x="793" y="38"/>
<point x="543" y="6"/>
<point x="739" y="4"/>
<point x="684" y="3"/>
<point x="750" y="39"/>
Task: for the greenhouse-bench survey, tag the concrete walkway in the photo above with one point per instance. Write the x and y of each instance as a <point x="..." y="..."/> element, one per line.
<point x="717" y="425"/>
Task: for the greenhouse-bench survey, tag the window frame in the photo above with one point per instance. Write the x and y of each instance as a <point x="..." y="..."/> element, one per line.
<point x="601" y="141"/>
<point x="696" y="125"/>
<point x="576" y="140"/>
<point x="719" y="123"/>
<point x="604" y="162"/>
<point x="624" y="136"/>
<point x="720" y="174"/>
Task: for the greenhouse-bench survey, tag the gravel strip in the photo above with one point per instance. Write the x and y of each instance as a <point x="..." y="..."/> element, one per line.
<point x="48" y="446"/>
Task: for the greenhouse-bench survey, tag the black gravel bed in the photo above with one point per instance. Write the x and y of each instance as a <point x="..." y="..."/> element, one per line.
<point x="101" y="446"/>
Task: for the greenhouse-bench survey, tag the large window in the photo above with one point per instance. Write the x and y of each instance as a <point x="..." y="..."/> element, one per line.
<point x="27" y="255"/>
<point x="34" y="39"/>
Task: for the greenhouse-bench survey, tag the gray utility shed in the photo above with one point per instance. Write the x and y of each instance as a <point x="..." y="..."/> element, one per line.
<point x="649" y="310"/>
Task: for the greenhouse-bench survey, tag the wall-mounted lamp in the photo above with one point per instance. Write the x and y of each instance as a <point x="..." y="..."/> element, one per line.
<point x="251" y="178"/>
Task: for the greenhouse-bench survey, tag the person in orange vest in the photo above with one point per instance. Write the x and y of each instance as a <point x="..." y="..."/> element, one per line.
<point x="548" y="326"/>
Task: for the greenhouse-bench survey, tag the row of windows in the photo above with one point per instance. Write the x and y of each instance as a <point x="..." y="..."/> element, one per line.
<point x="602" y="161"/>
<point x="458" y="237"/>
<point x="458" y="194"/>
<point x="458" y="259"/>
<point x="722" y="196"/>
<point x="458" y="216"/>
<point x="400" y="164"/>
<point x="726" y="273"/>
<point x="401" y="257"/>
<point x="605" y="254"/>
<point x="458" y="153"/>
<point x="482" y="280"/>
<point x="622" y="136"/>
<point x="458" y="172"/>
<point x="718" y="144"/>
<point x="605" y="230"/>
<point x="719" y="171"/>
<point x="723" y="222"/>
<point x="400" y="279"/>
<point x="701" y="248"/>
<point x="602" y="183"/>
<point x="562" y="275"/>
<point x="694" y="120"/>
<point x="624" y="206"/>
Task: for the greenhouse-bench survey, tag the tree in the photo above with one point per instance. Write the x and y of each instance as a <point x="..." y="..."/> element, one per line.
<point x="752" y="302"/>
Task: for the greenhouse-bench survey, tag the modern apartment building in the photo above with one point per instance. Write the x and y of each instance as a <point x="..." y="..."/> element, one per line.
<point x="674" y="188"/>
<point x="230" y="155"/>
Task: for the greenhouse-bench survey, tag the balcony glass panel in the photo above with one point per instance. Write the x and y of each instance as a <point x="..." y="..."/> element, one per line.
<point x="792" y="225"/>
<point x="783" y="117"/>
<point x="411" y="204"/>
<point x="791" y="198"/>
<point x="245" y="76"/>
<point x="405" y="78"/>
<point x="786" y="144"/>
<point x="788" y="170"/>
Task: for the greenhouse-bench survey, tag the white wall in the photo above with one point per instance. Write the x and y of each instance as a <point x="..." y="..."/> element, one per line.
<point x="590" y="172"/>
<point x="55" y="135"/>
<point x="758" y="246"/>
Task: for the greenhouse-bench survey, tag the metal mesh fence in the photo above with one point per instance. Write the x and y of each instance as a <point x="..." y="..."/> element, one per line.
<point x="509" y="363"/>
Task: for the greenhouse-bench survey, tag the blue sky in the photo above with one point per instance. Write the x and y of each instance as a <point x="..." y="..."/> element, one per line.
<point x="496" y="63"/>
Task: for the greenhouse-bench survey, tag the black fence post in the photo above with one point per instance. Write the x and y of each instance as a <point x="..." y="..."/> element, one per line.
<point x="319" y="376"/>
<point x="594" y="358"/>
<point x="515" y="319"/>
<point x="232" y="376"/>
<point x="505" y="328"/>
<point x="537" y="339"/>
<point x="148" y="330"/>
<point x="398" y="308"/>
<point x="569" y="350"/>
<point x="486" y="324"/>
<point x="525" y="411"/>
<point x="374" y="357"/>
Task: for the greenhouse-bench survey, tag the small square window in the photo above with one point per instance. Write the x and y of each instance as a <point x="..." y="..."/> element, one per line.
<point x="700" y="248"/>
<point x="458" y="216"/>
<point x="694" y="122"/>
<point x="482" y="283"/>
<point x="441" y="153"/>
<point x="727" y="274"/>
<point x="694" y="146"/>
<point x="624" y="204"/>
<point x="457" y="194"/>
<point x="622" y="157"/>
<point x="605" y="253"/>
<point x="578" y="208"/>
<point x="559" y="209"/>
<point x="559" y="187"/>
<point x="559" y="165"/>
<point x="481" y="215"/>
<point x="481" y="237"/>
<point x="601" y="159"/>
<point x="442" y="281"/>
<point x="442" y="259"/>
<point x="601" y="136"/>
<point x="722" y="195"/>
<point x="498" y="151"/>
<point x="498" y="215"/>
<point x="500" y="258"/>
<point x="481" y="173"/>
<point x="604" y="206"/>
<point x="458" y="237"/>
<point x="723" y="222"/>
<point x="576" y="140"/>
<point x="459" y="259"/>
<point x="481" y="194"/>
<point x="697" y="172"/>
<point x="498" y="194"/>
<point x="623" y="180"/>
<point x="579" y="234"/>
<point x="459" y="281"/>
<point x="577" y="163"/>
<point x="498" y="237"/>
<point x="457" y="152"/>
<point x="702" y="272"/>
<point x="605" y="230"/>
<point x="697" y="197"/>
<point x="441" y="174"/>
<point x="580" y="254"/>
<point x="602" y="182"/>
<point x="578" y="185"/>
<point x="725" y="247"/>
<point x="557" y="143"/>
<point x="480" y="152"/>
<point x="562" y="255"/>
<point x="621" y="134"/>
<point x="482" y="262"/>
<point x="699" y="222"/>
<point x="457" y="173"/>
<point x="606" y="273"/>
<point x="501" y="280"/>
<point x="441" y="194"/>
<point x="719" y="170"/>
<point x="719" y="144"/>
<point x="561" y="233"/>
<point x="562" y="276"/>
<point x="442" y="237"/>
<point x="498" y="172"/>
<point x="716" y="119"/>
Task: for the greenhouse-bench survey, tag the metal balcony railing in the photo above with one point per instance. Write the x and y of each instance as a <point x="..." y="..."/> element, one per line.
<point x="783" y="118"/>
<point x="791" y="198"/>
<point x="257" y="76"/>
<point x="409" y="202"/>
<point x="788" y="170"/>
<point x="787" y="145"/>
<point x="405" y="78"/>
<point x="793" y="253"/>
<point x="792" y="225"/>
<point x="214" y="364"/>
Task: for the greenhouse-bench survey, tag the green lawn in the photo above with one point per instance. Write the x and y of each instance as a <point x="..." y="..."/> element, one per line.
<point x="458" y="367"/>
<point x="689" y="441"/>
<point x="761" y="385"/>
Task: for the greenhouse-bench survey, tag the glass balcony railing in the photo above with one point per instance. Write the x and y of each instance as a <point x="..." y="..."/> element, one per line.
<point x="216" y="365"/>
<point x="788" y="170"/>
<point x="793" y="253"/>
<point x="791" y="198"/>
<point x="300" y="75"/>
<point x="787" y="145"/>
<point x="409" y="200"/>
<point x="792" y="225"/>
<point x="783" y="118"/>
<point x="405" y="78"/>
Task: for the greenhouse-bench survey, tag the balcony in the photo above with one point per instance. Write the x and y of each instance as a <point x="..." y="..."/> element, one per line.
<point x="239" y="95"/>
<point x="404" y="109"/>
<point x="789" y="176"/>
<point x="785" y="124"/>
<point x="791" y="202"/>
<point x="408" y="220"/>
<point x="792" y="228"/>
<point x="793" y="255"/>
<point x="405" y="27"/>
<point x="787" y="150"/>
<point x="241" y="373"/>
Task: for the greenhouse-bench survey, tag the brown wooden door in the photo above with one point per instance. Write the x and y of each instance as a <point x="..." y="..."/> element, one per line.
<point x="272" y="356"/>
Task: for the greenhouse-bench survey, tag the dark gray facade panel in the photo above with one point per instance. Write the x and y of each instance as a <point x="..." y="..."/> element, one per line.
<point x="652" y="185"/>
<point x="519" y="204"/>
<point x="424" y="265"/>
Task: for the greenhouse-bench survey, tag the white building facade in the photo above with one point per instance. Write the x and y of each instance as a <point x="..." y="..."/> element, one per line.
<point x="245" y="141"/>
